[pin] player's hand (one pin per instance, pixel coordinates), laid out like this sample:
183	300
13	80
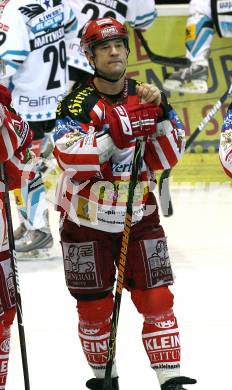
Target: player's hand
129	122
149	93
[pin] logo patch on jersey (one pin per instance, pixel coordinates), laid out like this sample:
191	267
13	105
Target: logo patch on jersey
49	21
190	32
67	125
41	19
226	139
77	103
81	265
156	262
227	124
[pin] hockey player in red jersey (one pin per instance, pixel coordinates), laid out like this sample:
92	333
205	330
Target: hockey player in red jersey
15	137
138	14
225	148
95	138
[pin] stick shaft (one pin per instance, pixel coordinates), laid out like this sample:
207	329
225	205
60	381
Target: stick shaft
122	266
6	199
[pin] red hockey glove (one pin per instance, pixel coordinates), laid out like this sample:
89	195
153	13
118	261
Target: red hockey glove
129	122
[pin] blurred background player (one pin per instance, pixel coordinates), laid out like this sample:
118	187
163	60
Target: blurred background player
139	14
97	125
205	16
33	55
15	137
225	147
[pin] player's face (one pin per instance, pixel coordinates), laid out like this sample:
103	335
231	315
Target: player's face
111	58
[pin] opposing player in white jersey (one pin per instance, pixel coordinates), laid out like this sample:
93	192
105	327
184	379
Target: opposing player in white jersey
15	137
225	147
33	58
139	15
95	141
205	16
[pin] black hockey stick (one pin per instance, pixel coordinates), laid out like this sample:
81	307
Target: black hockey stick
6	200
122	266
164	192
177	62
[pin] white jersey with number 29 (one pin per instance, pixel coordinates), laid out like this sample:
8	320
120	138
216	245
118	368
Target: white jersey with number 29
32	50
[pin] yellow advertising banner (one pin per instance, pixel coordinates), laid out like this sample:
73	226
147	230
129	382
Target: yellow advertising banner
166	37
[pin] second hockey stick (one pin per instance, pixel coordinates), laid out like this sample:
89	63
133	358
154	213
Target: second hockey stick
122	265
177	62
164	191
6	200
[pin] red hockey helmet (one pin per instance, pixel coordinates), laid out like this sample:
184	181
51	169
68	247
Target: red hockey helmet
102	30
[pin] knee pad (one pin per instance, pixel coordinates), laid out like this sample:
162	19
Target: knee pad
153	301
98	310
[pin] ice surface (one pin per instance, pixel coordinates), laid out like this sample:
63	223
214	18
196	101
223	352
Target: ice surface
199	238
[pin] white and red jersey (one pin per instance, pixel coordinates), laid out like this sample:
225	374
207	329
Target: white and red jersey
139	14
225	148
95	194
15	137
33	36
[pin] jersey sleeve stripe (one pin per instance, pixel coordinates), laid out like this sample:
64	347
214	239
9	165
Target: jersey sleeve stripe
167	144
143	21
160	156
17	53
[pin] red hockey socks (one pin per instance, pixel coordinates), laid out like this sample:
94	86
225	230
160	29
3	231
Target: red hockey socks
162	344
160	330
94	333
4	353
94	341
